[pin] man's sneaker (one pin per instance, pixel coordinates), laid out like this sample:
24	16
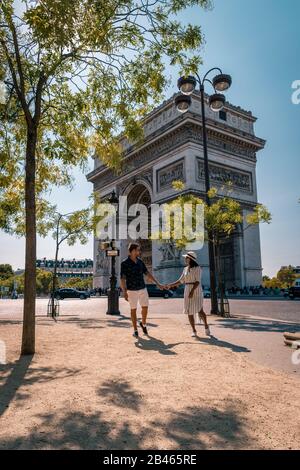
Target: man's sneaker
207	331
136	334
144	328
194	334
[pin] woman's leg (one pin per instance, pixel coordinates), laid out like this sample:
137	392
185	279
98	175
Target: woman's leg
192	322
203	316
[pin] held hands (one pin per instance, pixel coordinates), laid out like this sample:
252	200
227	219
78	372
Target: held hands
163	287
160	286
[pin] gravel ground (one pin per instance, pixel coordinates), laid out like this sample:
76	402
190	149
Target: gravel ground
91	385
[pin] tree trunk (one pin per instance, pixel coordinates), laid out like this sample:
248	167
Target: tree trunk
54	278
28	335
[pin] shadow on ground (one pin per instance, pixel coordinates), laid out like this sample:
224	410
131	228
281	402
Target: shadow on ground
121	394
154	344
213	341
20	374
191	428
251	324
117	322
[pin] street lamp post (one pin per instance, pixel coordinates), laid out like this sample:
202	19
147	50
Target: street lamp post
187	86
112	252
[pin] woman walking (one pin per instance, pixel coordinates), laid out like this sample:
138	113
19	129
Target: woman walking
193	295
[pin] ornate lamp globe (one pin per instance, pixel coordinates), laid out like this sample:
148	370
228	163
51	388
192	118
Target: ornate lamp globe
187	85
222	82
183	103
216	102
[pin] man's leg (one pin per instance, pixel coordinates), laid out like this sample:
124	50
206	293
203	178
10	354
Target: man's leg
144	301
144	315
133	318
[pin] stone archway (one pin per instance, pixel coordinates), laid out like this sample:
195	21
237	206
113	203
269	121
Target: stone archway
140	194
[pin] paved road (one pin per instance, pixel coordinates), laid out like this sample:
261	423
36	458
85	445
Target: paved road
279	309
284	310
256	327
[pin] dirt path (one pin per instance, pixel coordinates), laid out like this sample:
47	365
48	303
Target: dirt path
92	386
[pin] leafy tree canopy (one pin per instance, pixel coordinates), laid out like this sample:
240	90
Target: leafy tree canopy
286	275
81	73
6	271
221	217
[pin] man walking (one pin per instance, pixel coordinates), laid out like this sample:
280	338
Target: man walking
133	285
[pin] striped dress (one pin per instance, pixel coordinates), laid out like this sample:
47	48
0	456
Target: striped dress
194	305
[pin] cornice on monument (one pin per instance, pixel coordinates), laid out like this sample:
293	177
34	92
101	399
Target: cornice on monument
186	130
165	117
196	95
245	204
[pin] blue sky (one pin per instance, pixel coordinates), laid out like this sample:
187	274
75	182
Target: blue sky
258	43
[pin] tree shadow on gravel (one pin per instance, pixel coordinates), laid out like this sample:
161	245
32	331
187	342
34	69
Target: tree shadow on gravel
249	324
191	428
121	394
20	373
10	322
121	321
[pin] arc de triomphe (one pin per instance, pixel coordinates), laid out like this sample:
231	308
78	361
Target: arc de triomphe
172	150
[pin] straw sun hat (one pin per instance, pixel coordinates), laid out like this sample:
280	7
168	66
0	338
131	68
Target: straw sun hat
192	255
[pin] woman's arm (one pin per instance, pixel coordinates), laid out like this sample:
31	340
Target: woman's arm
196	284
150	276
176	283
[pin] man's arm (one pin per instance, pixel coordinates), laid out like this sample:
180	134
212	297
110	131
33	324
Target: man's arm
123	281
176	283
124	287
150	276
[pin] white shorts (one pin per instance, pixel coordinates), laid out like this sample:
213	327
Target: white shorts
135	296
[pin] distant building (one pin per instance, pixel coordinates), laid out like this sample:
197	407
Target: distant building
295	269
68	268
19	271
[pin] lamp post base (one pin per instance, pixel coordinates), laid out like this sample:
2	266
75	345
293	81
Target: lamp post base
113	302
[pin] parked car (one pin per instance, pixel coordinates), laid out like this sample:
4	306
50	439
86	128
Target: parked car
68	293
285	292
154	291
294	291
206	293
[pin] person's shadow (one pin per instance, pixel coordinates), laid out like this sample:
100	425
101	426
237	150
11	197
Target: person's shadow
212	340
154	344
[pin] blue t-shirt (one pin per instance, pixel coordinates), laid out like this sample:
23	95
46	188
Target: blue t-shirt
133	272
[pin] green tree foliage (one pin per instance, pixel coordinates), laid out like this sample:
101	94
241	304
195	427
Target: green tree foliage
286	276
78	74
43	281
72	227
273	283
6	271
222	217
78	283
